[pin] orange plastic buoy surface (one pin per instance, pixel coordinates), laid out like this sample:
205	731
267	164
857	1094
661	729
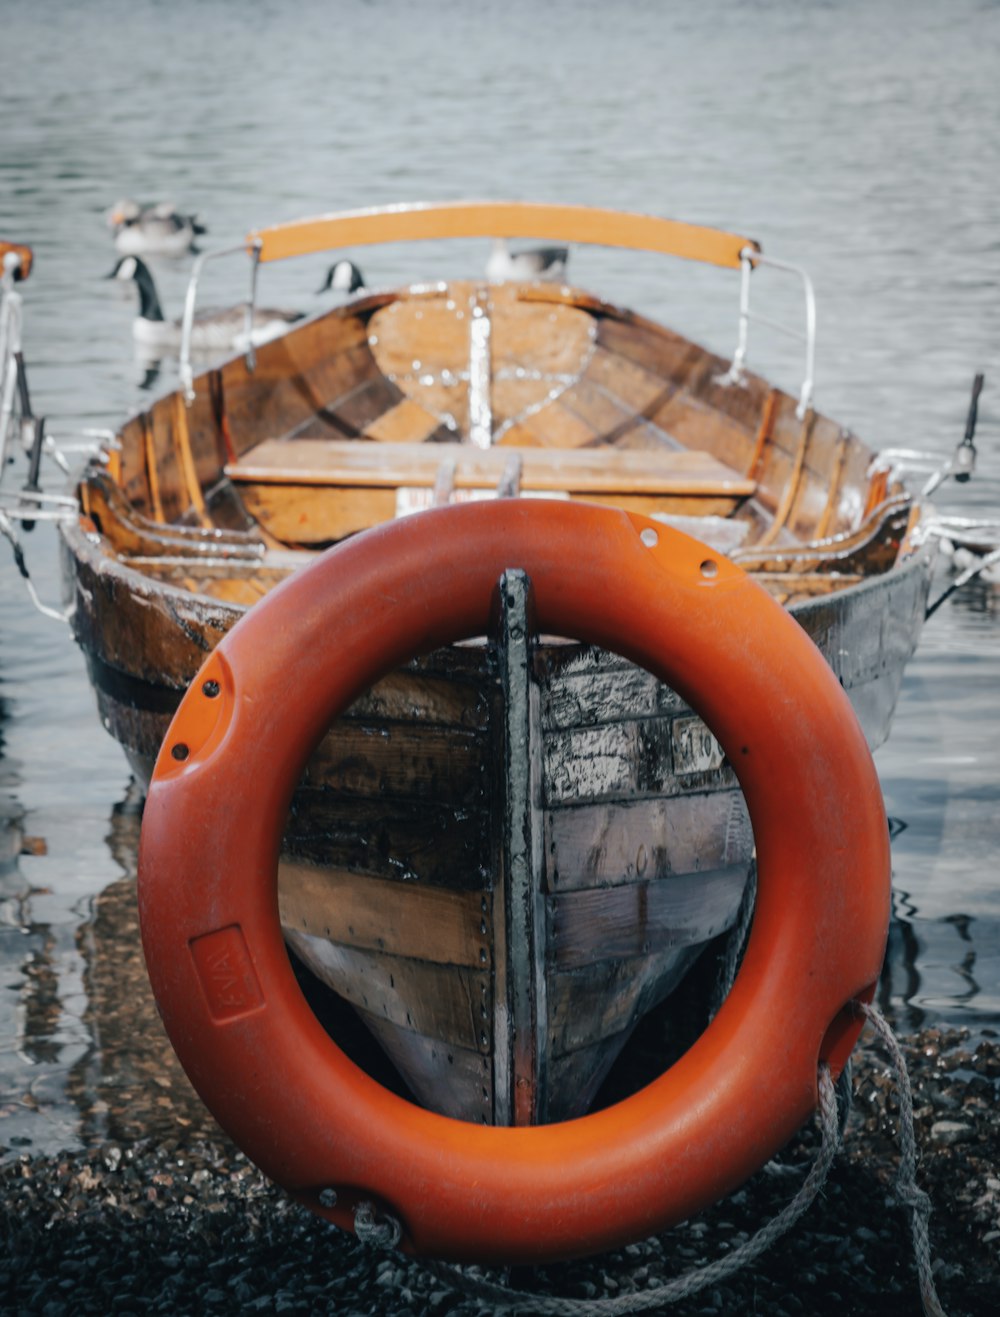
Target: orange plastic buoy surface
218	804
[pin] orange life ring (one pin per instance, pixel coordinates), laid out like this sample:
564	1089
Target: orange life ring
218	803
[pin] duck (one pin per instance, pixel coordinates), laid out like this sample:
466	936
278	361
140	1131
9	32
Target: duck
212	330
157	230
343	277
547	263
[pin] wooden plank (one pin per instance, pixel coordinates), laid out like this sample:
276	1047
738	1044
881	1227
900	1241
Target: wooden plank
577	1075
693	422
407	422
650	346
605	414
402	761
365	405
600	845
403	919
427	698
454	1081
132	474
555	426
313	515
400	841
586	1006
608	761
554	341
513	396
338	462
609	695
626	380
447	1002
422	345
297	377
423	335
667	505
166	478
588	926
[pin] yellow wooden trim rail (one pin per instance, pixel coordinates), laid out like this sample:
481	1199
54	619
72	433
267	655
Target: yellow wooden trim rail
500	219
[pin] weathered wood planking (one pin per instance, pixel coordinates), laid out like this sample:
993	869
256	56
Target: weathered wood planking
407	761
607	999
456	1081
642	918
641	840
309	492
455	1007
433	924
429	841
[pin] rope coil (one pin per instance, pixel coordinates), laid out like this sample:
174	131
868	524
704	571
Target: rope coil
386	1232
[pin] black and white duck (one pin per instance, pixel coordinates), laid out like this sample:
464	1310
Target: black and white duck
343	277
546	263
211	330
157	230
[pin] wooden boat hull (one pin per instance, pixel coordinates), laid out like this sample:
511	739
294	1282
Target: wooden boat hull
646	842
394	877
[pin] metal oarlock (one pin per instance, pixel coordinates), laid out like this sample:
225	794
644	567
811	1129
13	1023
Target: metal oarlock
938	467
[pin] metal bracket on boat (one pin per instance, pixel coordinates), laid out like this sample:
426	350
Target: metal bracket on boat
979	542
187	323
91	442
13	379
750	257
7	531
970	574
936	466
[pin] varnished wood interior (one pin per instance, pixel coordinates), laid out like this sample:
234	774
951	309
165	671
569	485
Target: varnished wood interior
617	385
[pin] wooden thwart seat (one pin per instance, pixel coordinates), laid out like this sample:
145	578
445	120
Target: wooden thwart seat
360	463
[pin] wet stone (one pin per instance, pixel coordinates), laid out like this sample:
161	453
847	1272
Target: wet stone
165	1215
950	1132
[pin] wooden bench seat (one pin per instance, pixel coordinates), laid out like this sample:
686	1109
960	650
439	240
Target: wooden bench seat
360	463
313	492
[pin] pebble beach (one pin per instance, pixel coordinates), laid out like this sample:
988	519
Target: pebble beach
159	1212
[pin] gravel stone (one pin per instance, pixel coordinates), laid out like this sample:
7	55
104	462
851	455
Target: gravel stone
950	1132
165	1215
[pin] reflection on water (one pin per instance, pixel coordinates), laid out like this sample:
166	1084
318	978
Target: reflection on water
128	1085
946	969
94	1067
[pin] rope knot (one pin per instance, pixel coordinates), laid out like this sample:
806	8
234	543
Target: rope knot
908	1195
385	1233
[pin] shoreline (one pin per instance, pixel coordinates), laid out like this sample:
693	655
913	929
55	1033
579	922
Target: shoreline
180	1221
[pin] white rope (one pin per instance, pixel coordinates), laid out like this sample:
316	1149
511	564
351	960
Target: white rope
907	1193
681	1287
387	1232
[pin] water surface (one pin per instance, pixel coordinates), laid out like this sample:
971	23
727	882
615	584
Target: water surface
859	139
